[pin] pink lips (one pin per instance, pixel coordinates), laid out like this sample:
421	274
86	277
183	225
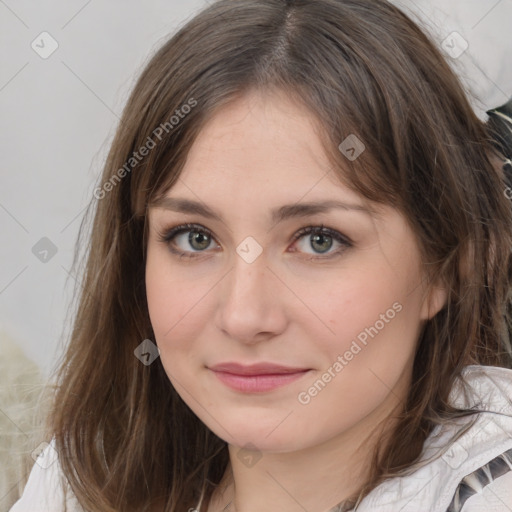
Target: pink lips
257	377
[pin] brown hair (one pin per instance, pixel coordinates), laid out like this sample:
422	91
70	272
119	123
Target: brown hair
126	439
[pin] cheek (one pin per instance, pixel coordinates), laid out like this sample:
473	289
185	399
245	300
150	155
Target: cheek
168	298
178	308
161	303
365	358
355	305
372	322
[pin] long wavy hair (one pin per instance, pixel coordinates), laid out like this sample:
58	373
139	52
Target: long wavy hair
126	439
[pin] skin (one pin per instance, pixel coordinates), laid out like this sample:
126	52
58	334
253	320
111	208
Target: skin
258	153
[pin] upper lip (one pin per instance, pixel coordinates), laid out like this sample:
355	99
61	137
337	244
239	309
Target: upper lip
255	369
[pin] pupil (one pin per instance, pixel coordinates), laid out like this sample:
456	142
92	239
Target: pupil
319	239
199	238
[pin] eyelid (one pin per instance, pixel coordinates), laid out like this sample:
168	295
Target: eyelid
308	230
168	233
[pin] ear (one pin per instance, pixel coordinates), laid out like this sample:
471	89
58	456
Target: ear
436	299
437	295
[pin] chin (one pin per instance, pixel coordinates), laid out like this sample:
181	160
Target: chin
262	435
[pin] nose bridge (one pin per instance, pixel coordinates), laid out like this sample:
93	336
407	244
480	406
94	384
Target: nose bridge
249	274
248	302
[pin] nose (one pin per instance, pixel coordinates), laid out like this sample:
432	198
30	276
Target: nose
250	304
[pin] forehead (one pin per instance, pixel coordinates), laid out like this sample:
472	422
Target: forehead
263	142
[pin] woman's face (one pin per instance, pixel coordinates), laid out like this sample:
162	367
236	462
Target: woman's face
341	307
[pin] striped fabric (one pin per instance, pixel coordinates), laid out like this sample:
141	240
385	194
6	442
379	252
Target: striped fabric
475	482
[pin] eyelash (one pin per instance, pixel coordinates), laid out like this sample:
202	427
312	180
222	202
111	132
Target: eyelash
168	235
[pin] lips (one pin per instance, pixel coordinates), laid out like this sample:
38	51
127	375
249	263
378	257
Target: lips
256	369
257	378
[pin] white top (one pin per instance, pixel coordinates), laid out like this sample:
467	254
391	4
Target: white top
473	475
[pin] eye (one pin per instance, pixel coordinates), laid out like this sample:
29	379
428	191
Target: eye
321	239
181	239
187	236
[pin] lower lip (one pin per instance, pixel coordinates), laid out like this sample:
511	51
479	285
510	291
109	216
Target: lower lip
258	383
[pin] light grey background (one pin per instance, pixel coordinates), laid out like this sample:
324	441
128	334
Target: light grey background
58	116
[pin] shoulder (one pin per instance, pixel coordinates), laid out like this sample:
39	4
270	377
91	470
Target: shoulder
486	387
46	490
461	469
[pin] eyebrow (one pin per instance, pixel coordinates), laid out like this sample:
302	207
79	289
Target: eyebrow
182	205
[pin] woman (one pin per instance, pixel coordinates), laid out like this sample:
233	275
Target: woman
224	356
